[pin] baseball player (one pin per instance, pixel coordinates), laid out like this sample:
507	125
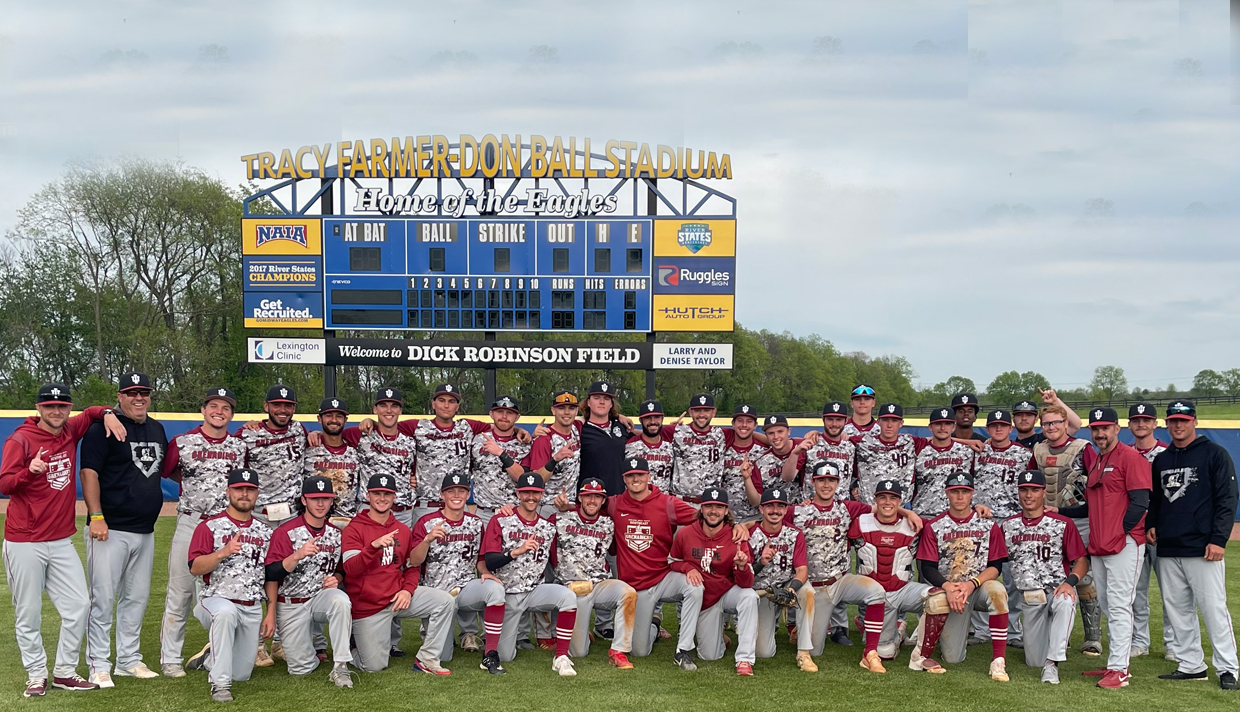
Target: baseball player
336	459
651	445
834	445
274	448
862	421
516	548
1190	520
785	455
739	464
886	543
38	473
303	584
1047	560
1117	495
382	584
1142	420
781	575
556	455
387	451
884	453
937	458
604	436
447	545
120	485
699	449
964	408
1025	416
200	460
496	460
582	539
961	555
708	557
227	551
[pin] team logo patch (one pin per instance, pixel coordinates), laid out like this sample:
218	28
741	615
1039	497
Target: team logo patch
744	409
383	482
603	388
693	236
219	392
1097	415
638	535
456	479
270	233
891	409
284	393
835	407
650	406
146	457
56	392
245	476
136	379
321	485
964	399
388	393
775	493
448	388
335	403
702	400
1141	408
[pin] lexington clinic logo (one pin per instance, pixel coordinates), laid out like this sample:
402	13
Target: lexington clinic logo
693	236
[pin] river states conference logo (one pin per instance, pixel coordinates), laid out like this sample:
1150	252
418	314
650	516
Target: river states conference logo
693	236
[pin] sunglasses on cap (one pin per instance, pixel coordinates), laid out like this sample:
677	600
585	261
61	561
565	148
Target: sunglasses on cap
863	391
1180	408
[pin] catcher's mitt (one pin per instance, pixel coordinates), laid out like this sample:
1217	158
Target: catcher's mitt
781	595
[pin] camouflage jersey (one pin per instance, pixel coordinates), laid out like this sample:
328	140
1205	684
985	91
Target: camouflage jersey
564	479
306	578
699	458
770	469
878	461
440	452
659	457
451	562
790	553
379	454
503	534
1041	550
581	547
826	535
340	465
995	473
842	454
931	468
1152	453
734	482
852	431
239	577
204	462
493	486
961	548
277	458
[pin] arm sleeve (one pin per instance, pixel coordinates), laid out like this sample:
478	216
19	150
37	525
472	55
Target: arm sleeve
94	452
275	571
1073	544
998	545
685	513
419	533
855	439
729	437
788	515
412	574
1138	502
1080	511
928	545
667	432
1033	462
477	426
352	436
492	540
540	453
1223	480
14	467
677	554
856	509
201	544
76	425
281	548
496	560
930	573
744	577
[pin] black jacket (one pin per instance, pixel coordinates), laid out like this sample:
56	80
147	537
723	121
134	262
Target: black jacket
1194	502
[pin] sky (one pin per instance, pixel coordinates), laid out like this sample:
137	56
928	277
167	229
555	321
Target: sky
976	186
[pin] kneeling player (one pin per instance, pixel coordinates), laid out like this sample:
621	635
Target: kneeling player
706	554
303	591
1041	548
961	554
780	575
888	543
516	549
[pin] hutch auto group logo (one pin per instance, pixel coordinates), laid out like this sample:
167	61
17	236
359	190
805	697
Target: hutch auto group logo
690	313
693	236
269	233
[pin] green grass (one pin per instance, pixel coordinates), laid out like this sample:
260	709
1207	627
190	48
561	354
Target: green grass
654	685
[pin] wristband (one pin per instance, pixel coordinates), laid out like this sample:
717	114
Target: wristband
506	460
109	411
96	517
1072	580
552	465
796	584
977	582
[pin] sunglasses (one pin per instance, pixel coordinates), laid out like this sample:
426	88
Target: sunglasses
863	391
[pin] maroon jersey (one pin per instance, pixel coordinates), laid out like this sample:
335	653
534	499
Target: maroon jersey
962	548
714	558
306	578
503	534
659	456
885	552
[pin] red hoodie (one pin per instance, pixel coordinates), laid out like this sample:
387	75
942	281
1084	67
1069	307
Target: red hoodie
644	534
372	576
713	557
42	506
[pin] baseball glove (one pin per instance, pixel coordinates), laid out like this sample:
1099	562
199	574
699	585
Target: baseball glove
581	588
782	595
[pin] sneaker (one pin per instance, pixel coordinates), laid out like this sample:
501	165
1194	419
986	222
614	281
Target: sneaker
1018	643
469	643
199	660
490	663
998	670
140	671
1114	679
322	655
1138	652
396	653
1227	681
839	636
805	662
73	683
430	667
564	665
1179	675
221	693
172	670
607	633
744	669
339	676
546	643
1091	648
1050	672
619	659
870	661
102	679
262	658
277	650
923	664
684	659
36	687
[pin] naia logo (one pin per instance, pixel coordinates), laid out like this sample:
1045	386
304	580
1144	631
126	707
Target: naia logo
269	233
693	236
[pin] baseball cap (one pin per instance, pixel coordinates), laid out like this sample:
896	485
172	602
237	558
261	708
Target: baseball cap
889	487
222	394
455	479
1024	407
715	495
1181	410
381	483
1031	478
506	403
317	486
592	485
447	389
1103	416
650	407
389	394
775	494
134	381
961	400
862	391
999	416
702	400
745	409
54	393
280	393
959	479
243	477
332	405
1142	410
938	415
771	421
530	482
835	408
824	468
564	398
636	464
602	388
892	410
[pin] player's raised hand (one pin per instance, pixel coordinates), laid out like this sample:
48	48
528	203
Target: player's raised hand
310	548
385	541
561	502
490	447
314	438
112	425
526	547
740	532
506	510
741	560
627	422
523	436
38	465
983	511
564	453
768	553
974	445
1049	395
812	438
437	532
681	419
366	426
232	547
746	466
541	428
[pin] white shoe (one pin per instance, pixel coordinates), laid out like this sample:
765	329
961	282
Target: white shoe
1169	657
469	643
998	670
1137	652
173	670
140	671
563	665
1050	673
102	679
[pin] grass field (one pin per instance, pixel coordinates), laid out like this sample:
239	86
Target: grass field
654	685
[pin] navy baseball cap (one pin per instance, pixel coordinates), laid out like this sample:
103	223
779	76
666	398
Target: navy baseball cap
961	400
602	388
455	479
999	416
824	468
134	381
54	394
715	495
1142	410
243	477
592	485
530	482
959	480
776	494
1181	410
702	400
1103	416
506	403
1024	407
745	409
333	405
317	486
447	389
221	394
889	487
771	421
650	407
280	393
381	483
636	464
939	415
892	410
1031	478
835	408
389	394
862	391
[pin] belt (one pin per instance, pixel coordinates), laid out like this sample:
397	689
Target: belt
824	584
692	500
242	603
401	508
429	503
286	599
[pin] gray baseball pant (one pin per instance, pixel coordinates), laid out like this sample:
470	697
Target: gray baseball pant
1141	606
981	622
673	588
231	631
470	601
1116	578
742	603
52	566
850	588
182	590
768	621
373	648
910	598
297	624
1190	585
1048	625
404	516
545	598
955	638
119	574
608	595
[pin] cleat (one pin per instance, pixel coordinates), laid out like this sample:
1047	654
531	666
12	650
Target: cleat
35	687
564	665
172	670
684	659
261	658
998	670
469	643
321	655
199	660
977	640
431	667
102	679
607	633
839	636
140	671
490	663
792	634
619	659
744	669
664	634
872	663
525	645
805	662
340	676
1227	681
221	694
277	650
1092	648
923	664
73	683
1138	652
546	643
1114	680
1050	672
396	653
1178	675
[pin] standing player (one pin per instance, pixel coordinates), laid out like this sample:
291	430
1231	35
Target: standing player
303	585
997	468
1142	420
604	435
938	458
335	459
1026	436
200	460
120	485
228	551
886	542
699	450
1191	516
38	472
656	449
885	455
516	548
785	455
834	445
387	451
496	460
782	568
739	460
556	455
964	407
274	448
862	421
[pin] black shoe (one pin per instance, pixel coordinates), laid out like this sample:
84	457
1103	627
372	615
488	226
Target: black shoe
490	663
607	633
396	653
684	659
1178	675
1227	681
839	636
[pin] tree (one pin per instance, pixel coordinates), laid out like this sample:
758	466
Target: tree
1108	382
1208	382
1009	387
1231	381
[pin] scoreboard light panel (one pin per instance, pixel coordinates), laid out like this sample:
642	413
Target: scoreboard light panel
488	274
